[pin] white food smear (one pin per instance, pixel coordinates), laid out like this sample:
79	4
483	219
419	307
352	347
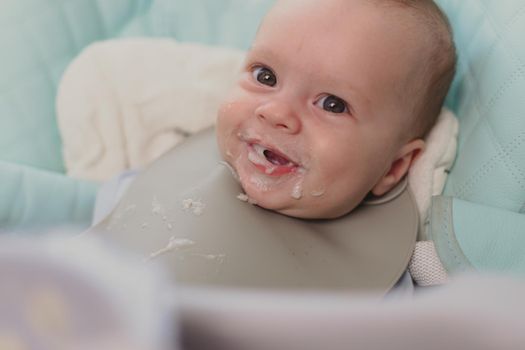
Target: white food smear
270	170
173	244
297	191
254	158
186	203
317	193
244	197
219	258
197	207
262	183
156	207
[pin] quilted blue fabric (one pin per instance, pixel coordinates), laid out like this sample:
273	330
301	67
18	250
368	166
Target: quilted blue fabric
482	224
474	236
38	39
230	23
488	97
28	193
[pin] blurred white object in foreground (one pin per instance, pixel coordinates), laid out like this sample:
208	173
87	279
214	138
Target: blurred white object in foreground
59	292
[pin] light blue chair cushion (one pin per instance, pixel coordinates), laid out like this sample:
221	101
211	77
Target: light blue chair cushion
488	96
27	193
230	23
480	223
38	38
476	236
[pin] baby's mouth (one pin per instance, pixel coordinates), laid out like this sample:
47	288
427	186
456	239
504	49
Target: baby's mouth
270	161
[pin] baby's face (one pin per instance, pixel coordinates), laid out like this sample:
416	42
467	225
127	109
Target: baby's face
317	119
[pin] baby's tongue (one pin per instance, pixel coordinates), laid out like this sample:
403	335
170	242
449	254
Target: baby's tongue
275	158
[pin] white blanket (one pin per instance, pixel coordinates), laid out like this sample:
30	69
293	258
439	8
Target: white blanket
123	103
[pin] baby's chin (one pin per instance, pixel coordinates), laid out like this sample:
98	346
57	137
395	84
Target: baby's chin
294	194
270	190
286	202
266	196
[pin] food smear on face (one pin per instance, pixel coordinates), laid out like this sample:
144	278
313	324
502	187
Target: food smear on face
269	161
297	191
317	193
273	167
261	182
270	170
245	198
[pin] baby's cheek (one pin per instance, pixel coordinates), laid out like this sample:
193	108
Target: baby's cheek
226	118
226	107
231	113
223	112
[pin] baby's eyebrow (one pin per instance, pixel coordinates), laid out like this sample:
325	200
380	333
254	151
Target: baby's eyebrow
342	85
263	54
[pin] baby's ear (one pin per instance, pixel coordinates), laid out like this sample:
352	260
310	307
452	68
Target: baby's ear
399	167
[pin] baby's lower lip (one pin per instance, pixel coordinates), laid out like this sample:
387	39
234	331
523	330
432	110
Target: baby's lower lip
276	171
266	167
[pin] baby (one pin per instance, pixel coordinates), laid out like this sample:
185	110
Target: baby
334	100
332	106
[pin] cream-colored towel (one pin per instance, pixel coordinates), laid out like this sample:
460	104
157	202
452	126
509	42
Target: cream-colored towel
427	176
426	179
123	103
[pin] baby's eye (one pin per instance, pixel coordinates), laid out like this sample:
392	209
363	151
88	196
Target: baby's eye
264	76
332	104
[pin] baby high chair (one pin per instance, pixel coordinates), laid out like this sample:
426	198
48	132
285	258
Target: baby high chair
479	221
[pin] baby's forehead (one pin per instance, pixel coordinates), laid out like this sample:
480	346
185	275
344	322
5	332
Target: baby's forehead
347	24
327	14
398	46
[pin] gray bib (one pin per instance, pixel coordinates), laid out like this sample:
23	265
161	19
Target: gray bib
184	211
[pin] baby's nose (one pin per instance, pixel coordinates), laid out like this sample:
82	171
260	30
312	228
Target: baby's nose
279	115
